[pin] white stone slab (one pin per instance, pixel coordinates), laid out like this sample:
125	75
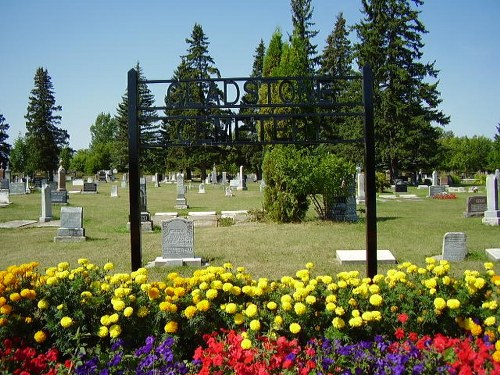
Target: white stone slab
169	262
408	196
493	254
16	224
359	256
387	196
201	213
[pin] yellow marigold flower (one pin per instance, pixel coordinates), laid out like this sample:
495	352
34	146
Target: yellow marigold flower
190	311
330	306
488	265
128	312
141	279
66	322
231	308
226	287
251	310
246	344
338	323
105	287
142	312
497	345
118	304
476	329
239	319
3	301
105	320
236	290
374	289
479	283
300	308
375	299
153	293
271	305
255	325
356	322
339	311
294	328
355	313
63	266
40	336
489	321
439	303
310	300
309	265
102	332
496	356
211	294
114	331
453	303
51	280
171	327
113	318
28	293
3	322
42	304
203	305
352	302
342	284
83	261
108	266
430	283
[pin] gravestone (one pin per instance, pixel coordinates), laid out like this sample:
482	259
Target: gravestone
4	184
157	180
242	182
90	187
71	229
360	187
214	175
4	197
201	188
224	177
435	178
46	204
146	222
114	191
17	188
61	177
492	214
180	201
454	247
123	184
229	192
476	205
177	243
400	187
59	197
435	190
78	182
2	172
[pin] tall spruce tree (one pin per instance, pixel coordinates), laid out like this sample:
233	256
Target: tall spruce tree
302	13
45	139
149	130
405	88
196	64
4	146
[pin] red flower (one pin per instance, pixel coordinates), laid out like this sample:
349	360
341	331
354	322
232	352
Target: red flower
403	318
400	333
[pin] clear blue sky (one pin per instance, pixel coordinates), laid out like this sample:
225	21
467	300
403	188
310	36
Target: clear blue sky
88	47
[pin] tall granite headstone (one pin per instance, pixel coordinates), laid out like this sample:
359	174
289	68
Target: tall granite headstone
435	181
46	204
61	177
242	182
492	214
360	187
146	222
181	202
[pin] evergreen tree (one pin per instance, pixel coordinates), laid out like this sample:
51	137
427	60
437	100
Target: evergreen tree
149	130
44	138
405	97
302	12
196	64
4	146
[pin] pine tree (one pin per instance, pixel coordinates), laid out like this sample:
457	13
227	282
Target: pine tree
4	146
405	97
302	12
149	130
44	138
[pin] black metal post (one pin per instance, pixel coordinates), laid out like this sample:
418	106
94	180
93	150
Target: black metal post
133	169
370	187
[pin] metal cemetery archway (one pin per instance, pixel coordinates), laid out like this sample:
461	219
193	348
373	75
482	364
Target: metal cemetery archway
299	94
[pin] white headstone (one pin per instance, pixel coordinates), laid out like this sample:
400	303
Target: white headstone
4	197
201	188
242	183
492	214
224	177
454	246
360	188
177	243
180	201
114	191
61	177
435	178
46	204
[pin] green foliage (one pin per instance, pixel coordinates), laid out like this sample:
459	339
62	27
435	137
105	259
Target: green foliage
381	182
466	155
19	156
293	175
4	146
45	140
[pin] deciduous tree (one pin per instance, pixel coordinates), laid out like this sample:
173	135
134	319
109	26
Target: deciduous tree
4	146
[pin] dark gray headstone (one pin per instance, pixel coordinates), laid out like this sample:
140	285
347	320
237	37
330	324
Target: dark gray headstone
17	188
60	197
476	205
89	187
435	190
71	225
177	239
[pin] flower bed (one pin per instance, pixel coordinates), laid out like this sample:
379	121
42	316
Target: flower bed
221	320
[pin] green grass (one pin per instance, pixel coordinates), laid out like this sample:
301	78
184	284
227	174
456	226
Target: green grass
412	230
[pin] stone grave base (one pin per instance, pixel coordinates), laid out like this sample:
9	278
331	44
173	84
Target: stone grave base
491	218
237	216
158	217
172	262
493	254
203	219
146	226
70	238
16	224
359	256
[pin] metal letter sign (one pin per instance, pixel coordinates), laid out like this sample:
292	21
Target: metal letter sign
283	110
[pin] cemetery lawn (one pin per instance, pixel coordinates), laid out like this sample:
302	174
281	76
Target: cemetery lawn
411	229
